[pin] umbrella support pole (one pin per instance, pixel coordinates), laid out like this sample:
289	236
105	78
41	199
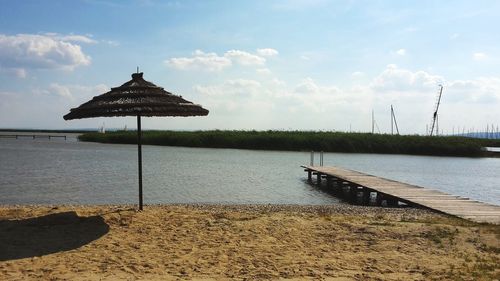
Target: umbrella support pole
139	155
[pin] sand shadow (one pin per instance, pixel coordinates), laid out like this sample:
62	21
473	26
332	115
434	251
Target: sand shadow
48	234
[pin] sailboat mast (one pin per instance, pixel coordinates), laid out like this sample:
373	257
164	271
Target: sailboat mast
392	121
373	121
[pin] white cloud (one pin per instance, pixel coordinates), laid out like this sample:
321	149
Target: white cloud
243	98
79	38
278	82
230	88
46	105
401	52
479	56
200	61
394	79
267	52
213	62
263	71
244	58
454	36
233	101
72	38
17	72
311	97
464	102
268	103
20	72
72	93
357	74
307	86
28	51
60	90
481	90
304	57
111	43
243	83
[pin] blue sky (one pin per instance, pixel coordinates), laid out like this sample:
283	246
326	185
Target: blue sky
308	65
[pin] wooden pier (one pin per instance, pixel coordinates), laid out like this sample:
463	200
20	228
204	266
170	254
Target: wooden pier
361	187
32	136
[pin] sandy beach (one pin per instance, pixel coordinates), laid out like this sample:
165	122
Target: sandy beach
243	242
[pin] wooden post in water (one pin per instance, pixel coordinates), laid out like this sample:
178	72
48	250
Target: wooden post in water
391	201
379	199
366	196
344	189
328	181
372	198
359	195
336	185
353	193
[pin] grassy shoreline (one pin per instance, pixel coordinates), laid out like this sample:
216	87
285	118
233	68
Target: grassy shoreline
305	141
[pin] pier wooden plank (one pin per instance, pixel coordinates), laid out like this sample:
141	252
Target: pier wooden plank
416	195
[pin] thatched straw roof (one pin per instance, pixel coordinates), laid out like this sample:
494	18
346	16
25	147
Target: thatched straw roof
137	97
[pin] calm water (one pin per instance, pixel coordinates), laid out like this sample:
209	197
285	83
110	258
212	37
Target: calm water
58	171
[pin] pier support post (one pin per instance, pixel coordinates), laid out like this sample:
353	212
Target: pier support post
345	189
379	199
309	175
360	195
318	178
366	196
352	193
356	194
336	186
392	201
328	181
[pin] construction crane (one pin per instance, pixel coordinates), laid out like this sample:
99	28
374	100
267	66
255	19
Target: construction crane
436	107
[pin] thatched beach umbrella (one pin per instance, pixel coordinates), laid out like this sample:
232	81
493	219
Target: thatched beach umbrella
137	97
